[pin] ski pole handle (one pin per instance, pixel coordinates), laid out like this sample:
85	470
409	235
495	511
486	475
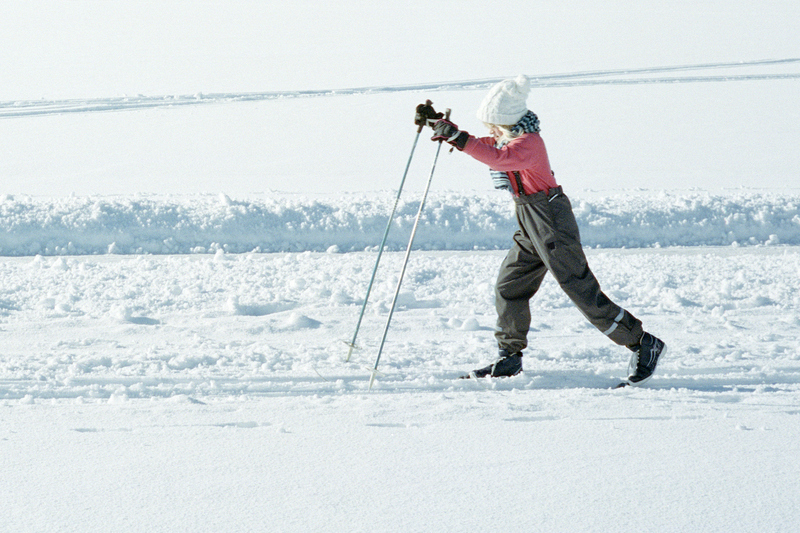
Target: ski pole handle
422	124
426	115
447	117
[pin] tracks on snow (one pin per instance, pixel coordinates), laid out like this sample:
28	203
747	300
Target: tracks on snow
635	76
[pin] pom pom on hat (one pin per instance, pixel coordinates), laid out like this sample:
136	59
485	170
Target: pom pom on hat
506	102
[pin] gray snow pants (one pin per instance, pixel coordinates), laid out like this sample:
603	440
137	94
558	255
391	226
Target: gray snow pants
548	240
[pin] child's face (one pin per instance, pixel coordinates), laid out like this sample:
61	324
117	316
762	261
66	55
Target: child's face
494	131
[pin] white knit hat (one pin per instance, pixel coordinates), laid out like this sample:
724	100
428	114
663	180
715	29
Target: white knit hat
505	103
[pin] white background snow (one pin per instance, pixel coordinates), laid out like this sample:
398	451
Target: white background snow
191	199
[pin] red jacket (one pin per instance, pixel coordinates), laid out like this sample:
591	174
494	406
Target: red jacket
526	154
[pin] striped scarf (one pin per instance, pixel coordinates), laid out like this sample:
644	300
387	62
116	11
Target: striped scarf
529	123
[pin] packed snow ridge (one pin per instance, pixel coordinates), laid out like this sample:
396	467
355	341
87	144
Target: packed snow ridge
284	222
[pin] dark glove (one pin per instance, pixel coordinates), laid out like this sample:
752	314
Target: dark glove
444	130
426	115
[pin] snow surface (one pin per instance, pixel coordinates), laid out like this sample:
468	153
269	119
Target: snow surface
281	222
209	392
191	200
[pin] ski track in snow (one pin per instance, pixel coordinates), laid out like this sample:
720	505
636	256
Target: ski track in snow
633	76
222	326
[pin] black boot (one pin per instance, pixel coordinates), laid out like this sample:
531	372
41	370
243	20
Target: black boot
509	364
645	359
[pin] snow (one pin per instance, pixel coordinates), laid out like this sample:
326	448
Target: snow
191	203
211	392
346	222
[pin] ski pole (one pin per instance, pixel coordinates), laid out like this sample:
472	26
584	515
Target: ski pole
352	343
405	260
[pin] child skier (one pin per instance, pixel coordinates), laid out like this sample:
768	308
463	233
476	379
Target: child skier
547	238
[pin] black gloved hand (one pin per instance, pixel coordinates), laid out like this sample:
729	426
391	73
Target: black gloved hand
444	130
426	115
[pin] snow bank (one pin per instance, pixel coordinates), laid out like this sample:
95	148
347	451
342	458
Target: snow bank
283	222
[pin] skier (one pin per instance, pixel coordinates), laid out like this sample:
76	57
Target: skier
547	238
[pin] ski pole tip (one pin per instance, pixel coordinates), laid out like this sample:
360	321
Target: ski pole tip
351	346
374	373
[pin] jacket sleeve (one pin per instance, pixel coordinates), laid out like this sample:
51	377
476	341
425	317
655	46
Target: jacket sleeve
515	155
